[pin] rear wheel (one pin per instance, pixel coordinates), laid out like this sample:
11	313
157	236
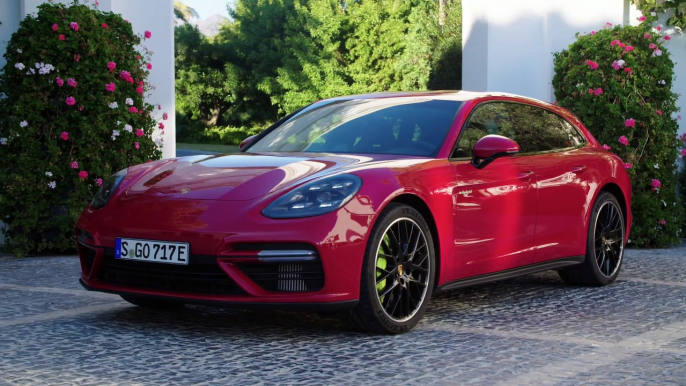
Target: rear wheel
397	274
146	302
604	247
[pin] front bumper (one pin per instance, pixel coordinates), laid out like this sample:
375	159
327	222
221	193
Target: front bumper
227	265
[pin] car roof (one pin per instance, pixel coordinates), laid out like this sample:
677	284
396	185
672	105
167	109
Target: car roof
456	95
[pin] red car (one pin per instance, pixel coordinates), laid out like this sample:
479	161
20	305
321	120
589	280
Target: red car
365	205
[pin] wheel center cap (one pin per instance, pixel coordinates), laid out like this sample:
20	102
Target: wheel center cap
400	270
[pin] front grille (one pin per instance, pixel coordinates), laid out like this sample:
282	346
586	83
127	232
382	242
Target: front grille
201	276
286	277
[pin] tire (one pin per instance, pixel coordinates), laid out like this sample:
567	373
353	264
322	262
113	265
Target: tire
152	303
395	272
604	248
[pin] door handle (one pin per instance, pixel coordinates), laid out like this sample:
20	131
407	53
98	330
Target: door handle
525	175
578	168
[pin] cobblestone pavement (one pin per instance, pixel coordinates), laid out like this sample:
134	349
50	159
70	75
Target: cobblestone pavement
530	330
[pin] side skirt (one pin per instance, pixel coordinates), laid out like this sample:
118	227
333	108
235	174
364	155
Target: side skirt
514	272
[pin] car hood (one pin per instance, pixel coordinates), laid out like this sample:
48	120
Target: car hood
238	177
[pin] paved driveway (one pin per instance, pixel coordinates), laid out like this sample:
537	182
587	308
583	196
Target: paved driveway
531	330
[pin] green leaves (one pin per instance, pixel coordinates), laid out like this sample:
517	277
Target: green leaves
644	94
41	195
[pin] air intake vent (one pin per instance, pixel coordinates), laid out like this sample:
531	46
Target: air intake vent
290	278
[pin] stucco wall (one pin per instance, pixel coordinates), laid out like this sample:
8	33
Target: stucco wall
153	15
508	45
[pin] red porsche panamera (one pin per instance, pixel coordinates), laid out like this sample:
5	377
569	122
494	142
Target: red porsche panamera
366	205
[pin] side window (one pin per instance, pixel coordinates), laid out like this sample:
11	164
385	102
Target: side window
489	118
540	130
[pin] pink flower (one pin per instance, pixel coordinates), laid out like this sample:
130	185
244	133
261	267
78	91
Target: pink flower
110	86
628	165
137	145
83	175
652	46
659	112
62	37
80	107
77	57
159	107
647	35
124	75
622	45
629	48
628	70
615	65
165	116
659	28
64	136
148	34
678	117
55	27
598	91
667	37
59	81
74	165
624	140
593	65
606	147
105	26
593	33
614	43
148	66
663	222
139	89
71	82
642	18
98	181
590	91
630	122
74	26
133	109
656	184
111	65
683	152
139	132
70	101
608	25
126	20
161	126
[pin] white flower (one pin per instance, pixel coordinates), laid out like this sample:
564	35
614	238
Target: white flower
113	105
19	51
49	174
115	134
129	101
653	14
23	123
44	71
657	52
3	141
662	82
128	128
158	142
621	63
19	66
52	184
39	65
656	166
664	203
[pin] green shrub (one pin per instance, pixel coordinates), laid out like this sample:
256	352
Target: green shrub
68	120
619	82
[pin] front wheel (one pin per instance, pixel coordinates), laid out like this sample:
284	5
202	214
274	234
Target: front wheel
604	246
397	273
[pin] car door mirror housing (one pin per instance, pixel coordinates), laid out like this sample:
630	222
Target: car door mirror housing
246	142
492	147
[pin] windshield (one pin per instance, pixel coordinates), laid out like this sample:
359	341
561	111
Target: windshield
404	126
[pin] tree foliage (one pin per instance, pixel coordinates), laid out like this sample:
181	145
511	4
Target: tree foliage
619	82
73	113
279	55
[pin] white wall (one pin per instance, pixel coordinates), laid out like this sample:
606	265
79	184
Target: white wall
152	15
508	45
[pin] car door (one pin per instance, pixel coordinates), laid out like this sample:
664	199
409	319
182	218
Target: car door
563	169
494	207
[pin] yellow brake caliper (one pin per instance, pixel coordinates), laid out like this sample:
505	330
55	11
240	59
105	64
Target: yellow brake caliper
381	263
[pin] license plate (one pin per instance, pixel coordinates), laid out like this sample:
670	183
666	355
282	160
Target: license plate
152	251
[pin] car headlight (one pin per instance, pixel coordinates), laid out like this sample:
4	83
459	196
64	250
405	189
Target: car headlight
315	198
107	189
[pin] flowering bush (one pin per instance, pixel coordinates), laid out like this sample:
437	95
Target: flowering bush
634	116
67	94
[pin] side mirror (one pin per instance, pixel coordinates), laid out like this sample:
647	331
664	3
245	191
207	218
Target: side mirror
491	147
246	142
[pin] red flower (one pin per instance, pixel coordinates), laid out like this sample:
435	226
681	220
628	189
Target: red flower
627	70
139	132
133	109
161	126
111	65
659	112
64	136
148	66
668	37
628	165
148	34
139	89
83	174
165	116
105	26
55	27
62	37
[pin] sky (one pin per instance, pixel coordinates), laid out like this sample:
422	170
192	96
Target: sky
207	8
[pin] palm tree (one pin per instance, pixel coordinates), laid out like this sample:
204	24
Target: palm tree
184	12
